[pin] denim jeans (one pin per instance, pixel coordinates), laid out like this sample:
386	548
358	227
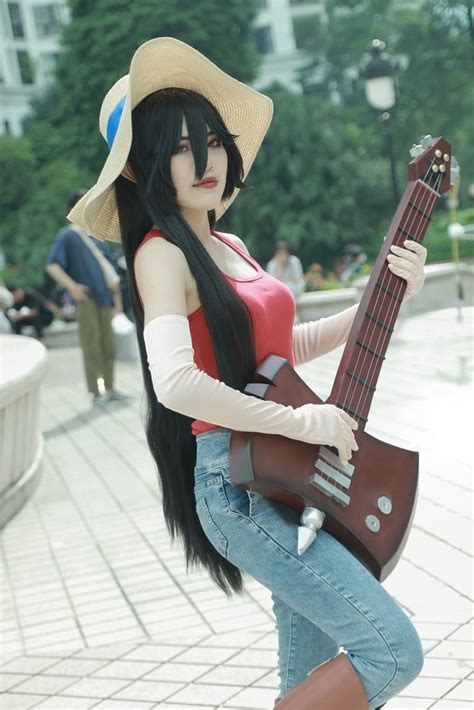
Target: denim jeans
323	600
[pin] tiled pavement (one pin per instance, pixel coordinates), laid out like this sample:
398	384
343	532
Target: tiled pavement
98	611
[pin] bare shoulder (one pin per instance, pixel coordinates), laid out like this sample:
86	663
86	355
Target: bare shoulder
237	241
161	274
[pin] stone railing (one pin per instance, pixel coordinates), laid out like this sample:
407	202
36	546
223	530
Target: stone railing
22	369
440	291
66	335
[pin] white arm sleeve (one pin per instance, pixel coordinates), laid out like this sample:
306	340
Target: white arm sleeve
182	387
316	338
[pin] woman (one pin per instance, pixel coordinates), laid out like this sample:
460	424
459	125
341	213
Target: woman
182	136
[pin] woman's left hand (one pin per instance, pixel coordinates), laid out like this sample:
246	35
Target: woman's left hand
408	263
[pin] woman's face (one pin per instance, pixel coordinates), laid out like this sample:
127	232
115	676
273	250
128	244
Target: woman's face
190	194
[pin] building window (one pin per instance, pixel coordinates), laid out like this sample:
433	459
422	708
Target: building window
47	20
16	22
263	39
25	66
306	29
48	61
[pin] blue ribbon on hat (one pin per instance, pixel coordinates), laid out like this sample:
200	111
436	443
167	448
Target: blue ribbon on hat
114	121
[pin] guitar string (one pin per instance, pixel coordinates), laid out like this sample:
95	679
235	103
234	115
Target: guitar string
396	285
399	283
363	353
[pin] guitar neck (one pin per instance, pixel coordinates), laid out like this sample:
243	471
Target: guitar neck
356	378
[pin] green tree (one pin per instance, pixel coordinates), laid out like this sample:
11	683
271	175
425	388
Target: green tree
313	184
32	206
433	39
62	149
17	177
101	39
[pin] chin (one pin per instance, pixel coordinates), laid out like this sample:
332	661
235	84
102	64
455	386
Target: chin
211	203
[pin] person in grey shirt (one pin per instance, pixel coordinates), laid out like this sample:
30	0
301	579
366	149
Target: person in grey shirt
287	268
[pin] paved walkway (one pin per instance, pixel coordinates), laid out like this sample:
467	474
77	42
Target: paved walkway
98	611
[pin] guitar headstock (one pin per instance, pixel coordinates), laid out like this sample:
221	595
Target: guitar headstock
433	163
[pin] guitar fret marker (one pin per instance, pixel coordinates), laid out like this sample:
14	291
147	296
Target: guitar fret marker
362	382
352	412
407	233
370	350
383	325
390	293
420	211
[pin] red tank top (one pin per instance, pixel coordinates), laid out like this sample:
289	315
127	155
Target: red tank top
272	308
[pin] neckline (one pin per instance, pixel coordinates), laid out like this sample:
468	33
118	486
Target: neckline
257	268
255	265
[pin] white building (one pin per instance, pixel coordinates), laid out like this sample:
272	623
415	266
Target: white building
284	29
29	47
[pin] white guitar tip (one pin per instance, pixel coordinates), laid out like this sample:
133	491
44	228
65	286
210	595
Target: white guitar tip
305	538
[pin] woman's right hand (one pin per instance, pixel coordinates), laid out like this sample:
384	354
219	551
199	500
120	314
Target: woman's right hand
327	424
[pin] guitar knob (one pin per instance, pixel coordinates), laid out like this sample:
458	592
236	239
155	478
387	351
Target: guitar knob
311	521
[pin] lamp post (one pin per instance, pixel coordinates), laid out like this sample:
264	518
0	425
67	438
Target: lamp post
379	72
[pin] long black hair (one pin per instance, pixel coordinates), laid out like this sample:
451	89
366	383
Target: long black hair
151	202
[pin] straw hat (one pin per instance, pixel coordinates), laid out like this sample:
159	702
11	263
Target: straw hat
159	64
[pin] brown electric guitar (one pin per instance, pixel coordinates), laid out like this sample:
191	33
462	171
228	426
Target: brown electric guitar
368	504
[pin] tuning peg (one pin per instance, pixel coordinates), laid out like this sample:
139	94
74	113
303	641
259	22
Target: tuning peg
427	141
416	150
311	521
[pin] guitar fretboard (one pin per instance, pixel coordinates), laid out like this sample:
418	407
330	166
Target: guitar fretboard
362	359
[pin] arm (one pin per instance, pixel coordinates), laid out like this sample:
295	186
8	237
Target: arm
316	338
313	339
180	386
118	304
78	291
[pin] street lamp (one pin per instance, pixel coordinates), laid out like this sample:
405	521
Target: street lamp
379	72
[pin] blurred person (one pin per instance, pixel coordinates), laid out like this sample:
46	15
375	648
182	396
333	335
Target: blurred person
120	264
81	264
182	136
6	301
287	268
353	260
29	308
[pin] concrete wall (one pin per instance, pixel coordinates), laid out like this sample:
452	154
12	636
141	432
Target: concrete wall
439	291
22	370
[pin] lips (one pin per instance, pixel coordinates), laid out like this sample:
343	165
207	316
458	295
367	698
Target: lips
207	183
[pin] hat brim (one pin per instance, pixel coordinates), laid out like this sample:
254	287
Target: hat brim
158	64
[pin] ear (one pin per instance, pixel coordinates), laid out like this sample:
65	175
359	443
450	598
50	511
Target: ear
128	173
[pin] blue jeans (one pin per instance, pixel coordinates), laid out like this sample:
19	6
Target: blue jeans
323	600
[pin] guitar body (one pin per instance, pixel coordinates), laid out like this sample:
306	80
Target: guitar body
283	469
369	503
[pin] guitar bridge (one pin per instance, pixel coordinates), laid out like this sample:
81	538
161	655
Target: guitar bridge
332	477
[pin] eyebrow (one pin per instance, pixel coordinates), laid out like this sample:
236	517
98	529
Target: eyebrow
186	138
